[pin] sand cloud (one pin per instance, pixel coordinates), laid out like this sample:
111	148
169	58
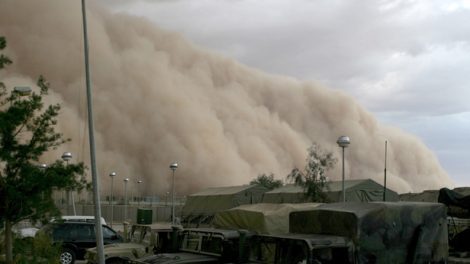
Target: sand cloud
159	99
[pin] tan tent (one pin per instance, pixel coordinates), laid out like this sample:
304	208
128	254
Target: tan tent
201	207
365	190
381	232
271	219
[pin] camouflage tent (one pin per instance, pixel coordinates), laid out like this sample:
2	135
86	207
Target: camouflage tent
201	207
382	232
356	191
262	218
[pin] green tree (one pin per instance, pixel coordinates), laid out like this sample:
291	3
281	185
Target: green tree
267	181
27	132
313	178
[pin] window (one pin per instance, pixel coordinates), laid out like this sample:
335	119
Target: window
108	233
212	245
84	232
191	242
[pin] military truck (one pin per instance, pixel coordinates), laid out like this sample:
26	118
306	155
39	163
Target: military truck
377	232
380	232
145	240
206	245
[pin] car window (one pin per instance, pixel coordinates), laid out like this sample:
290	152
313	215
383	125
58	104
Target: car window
190	242
211	245
85	232
108	233
62	232
293	252
263	251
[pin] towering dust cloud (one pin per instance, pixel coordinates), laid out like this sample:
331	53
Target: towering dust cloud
158	99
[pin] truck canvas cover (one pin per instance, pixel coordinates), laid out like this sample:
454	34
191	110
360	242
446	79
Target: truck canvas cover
262	218
202	206
381	232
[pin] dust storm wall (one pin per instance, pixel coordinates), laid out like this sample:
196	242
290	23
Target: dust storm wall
159	99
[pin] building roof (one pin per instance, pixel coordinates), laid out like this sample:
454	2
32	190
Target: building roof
332	186
228	190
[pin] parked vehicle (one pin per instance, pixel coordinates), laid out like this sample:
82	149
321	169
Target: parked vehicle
205	245
380	232
76	237
144	240
27	230
79	218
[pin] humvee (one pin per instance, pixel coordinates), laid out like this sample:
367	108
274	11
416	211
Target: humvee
381	232
144	240
205	245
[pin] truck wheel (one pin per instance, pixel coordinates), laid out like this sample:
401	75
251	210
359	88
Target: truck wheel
67	256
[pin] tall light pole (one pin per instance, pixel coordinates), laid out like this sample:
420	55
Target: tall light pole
66	156
42	167
126	180
173	167
112	175
91	136
343	142
385	172
140	194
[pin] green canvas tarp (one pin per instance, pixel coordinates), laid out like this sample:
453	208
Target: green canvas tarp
201	207
382	232
365	190
271	219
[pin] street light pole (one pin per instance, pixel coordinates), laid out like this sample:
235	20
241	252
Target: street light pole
343	142
140	193
126	180
42	167
66	157
91	135
112	175
385	173
173	167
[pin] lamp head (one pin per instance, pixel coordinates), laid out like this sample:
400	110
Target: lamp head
22	90
67	156
174	166
112	174
343	141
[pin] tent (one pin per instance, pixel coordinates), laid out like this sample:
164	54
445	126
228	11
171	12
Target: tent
271	219
365	190
382	232
201	207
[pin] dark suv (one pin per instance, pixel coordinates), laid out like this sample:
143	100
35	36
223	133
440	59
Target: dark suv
76	237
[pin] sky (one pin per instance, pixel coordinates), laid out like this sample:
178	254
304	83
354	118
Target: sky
405	61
